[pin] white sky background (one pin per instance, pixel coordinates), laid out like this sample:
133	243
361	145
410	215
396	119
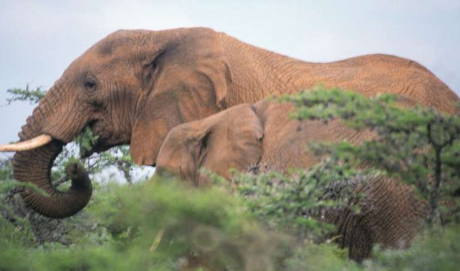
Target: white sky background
39	39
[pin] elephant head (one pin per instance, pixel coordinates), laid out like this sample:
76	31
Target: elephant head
131	87
228	139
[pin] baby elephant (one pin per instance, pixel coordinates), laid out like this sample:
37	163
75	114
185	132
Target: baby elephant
263	134
241	137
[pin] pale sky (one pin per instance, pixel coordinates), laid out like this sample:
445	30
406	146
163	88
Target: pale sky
39	39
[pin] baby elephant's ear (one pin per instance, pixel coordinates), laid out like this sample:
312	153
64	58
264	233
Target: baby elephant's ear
236	141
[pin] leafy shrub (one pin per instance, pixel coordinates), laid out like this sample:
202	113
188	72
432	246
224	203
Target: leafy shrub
419	146
297	202
159	226
269	223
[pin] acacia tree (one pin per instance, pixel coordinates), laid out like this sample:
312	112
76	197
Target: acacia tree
418	145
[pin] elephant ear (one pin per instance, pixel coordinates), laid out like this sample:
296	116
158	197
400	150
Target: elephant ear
234	141
188	80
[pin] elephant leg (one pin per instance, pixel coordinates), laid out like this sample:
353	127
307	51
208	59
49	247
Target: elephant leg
395	213
359	241
354	233
390	215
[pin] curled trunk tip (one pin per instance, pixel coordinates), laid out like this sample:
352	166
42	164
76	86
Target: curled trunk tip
35	167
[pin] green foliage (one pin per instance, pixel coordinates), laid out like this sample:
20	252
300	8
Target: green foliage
262	222
311	257
165	225
26	95
419	146
86	140
208	225
297	201
13	228
431	251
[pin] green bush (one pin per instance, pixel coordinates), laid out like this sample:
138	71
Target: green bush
268	221
157	226
165	225
419	146
295	202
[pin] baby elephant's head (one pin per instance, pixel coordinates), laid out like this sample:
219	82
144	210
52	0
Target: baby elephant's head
226	140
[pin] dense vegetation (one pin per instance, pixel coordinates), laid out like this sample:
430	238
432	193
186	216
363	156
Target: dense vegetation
263	222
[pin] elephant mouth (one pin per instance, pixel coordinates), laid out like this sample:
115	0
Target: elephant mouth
104	139
94	148
101	141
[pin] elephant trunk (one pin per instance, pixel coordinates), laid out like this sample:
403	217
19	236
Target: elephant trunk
34	166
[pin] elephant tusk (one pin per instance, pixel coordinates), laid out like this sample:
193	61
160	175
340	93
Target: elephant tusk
30	144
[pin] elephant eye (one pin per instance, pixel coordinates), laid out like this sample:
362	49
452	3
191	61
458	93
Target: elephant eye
90	85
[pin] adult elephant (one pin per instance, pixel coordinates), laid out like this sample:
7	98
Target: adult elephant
262	136
132	87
